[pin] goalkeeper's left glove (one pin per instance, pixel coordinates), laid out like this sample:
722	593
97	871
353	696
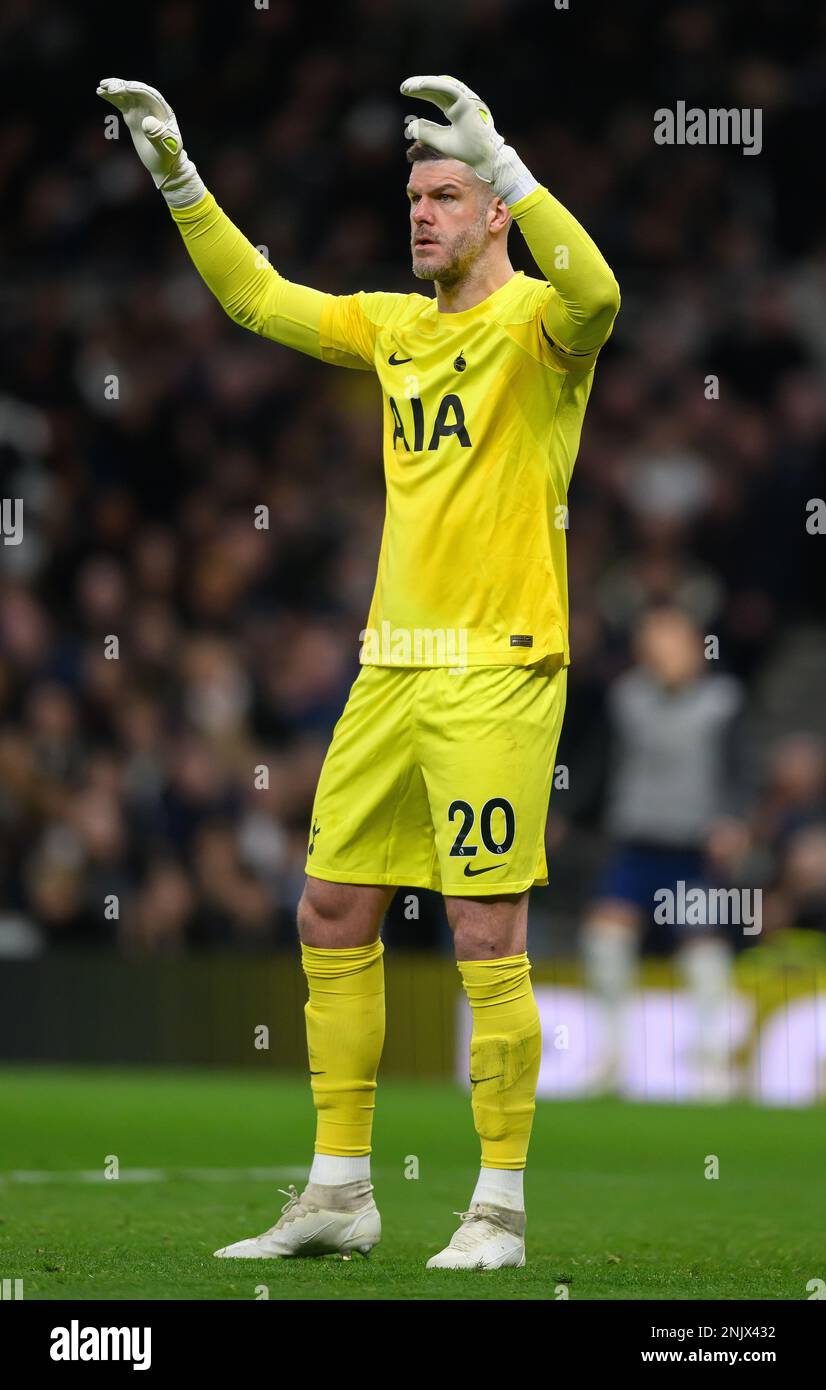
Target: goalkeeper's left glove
471	136
157	139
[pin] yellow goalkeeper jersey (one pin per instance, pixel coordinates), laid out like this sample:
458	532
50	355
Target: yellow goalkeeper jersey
482	414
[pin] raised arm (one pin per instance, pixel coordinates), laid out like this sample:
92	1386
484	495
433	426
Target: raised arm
579	314
258	298
330	327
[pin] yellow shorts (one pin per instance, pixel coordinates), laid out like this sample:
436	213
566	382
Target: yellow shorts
441	779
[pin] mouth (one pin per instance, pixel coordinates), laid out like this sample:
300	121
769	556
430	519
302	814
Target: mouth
424	243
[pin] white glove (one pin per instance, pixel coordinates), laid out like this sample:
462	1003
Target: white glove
156	138
471	136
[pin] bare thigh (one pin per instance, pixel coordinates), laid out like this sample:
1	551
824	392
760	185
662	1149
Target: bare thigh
341	915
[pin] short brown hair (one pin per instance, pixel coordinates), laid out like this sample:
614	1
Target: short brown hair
419	151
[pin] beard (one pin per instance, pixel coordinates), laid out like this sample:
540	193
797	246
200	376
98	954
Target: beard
455	257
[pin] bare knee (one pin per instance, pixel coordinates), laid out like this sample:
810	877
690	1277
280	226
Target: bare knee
486	928
341	915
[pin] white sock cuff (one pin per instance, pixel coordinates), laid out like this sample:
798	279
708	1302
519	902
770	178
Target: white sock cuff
331	1169
501	1187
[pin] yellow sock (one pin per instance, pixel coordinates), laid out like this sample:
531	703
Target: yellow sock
505	1051
345	1035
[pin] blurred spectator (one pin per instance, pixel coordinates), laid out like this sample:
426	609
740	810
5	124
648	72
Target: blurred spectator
677	797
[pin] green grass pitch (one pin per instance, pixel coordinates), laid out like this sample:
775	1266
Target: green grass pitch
618	1204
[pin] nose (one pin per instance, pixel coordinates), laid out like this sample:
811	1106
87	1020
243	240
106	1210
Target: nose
422	212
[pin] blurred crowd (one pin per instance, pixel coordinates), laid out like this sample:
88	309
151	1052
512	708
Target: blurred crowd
155	791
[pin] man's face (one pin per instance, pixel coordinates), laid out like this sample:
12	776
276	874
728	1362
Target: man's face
448	219
670	647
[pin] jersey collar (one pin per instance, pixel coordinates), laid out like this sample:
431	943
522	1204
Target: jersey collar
483	307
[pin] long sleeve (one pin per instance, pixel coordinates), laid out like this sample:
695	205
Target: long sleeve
330	327
585	299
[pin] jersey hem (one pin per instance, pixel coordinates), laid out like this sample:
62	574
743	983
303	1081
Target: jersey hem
525	656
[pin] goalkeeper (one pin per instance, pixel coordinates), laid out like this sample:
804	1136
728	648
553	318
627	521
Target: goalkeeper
439	771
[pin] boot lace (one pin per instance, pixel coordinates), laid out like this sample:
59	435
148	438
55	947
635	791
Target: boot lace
470	1230
293	1209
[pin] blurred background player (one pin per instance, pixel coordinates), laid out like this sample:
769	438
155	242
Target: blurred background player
676	795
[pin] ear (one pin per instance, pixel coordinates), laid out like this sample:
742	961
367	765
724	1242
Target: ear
500	215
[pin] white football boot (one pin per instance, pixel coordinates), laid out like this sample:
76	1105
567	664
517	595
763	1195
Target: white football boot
488	1238
322	1221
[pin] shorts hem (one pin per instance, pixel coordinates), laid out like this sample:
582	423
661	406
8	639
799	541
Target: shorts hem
383	880
477	891
435	886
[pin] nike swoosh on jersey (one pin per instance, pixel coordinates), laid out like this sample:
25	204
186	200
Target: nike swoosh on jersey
398	361
474	873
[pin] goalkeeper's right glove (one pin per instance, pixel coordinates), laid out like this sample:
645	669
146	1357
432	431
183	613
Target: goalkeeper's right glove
470	137
157	139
